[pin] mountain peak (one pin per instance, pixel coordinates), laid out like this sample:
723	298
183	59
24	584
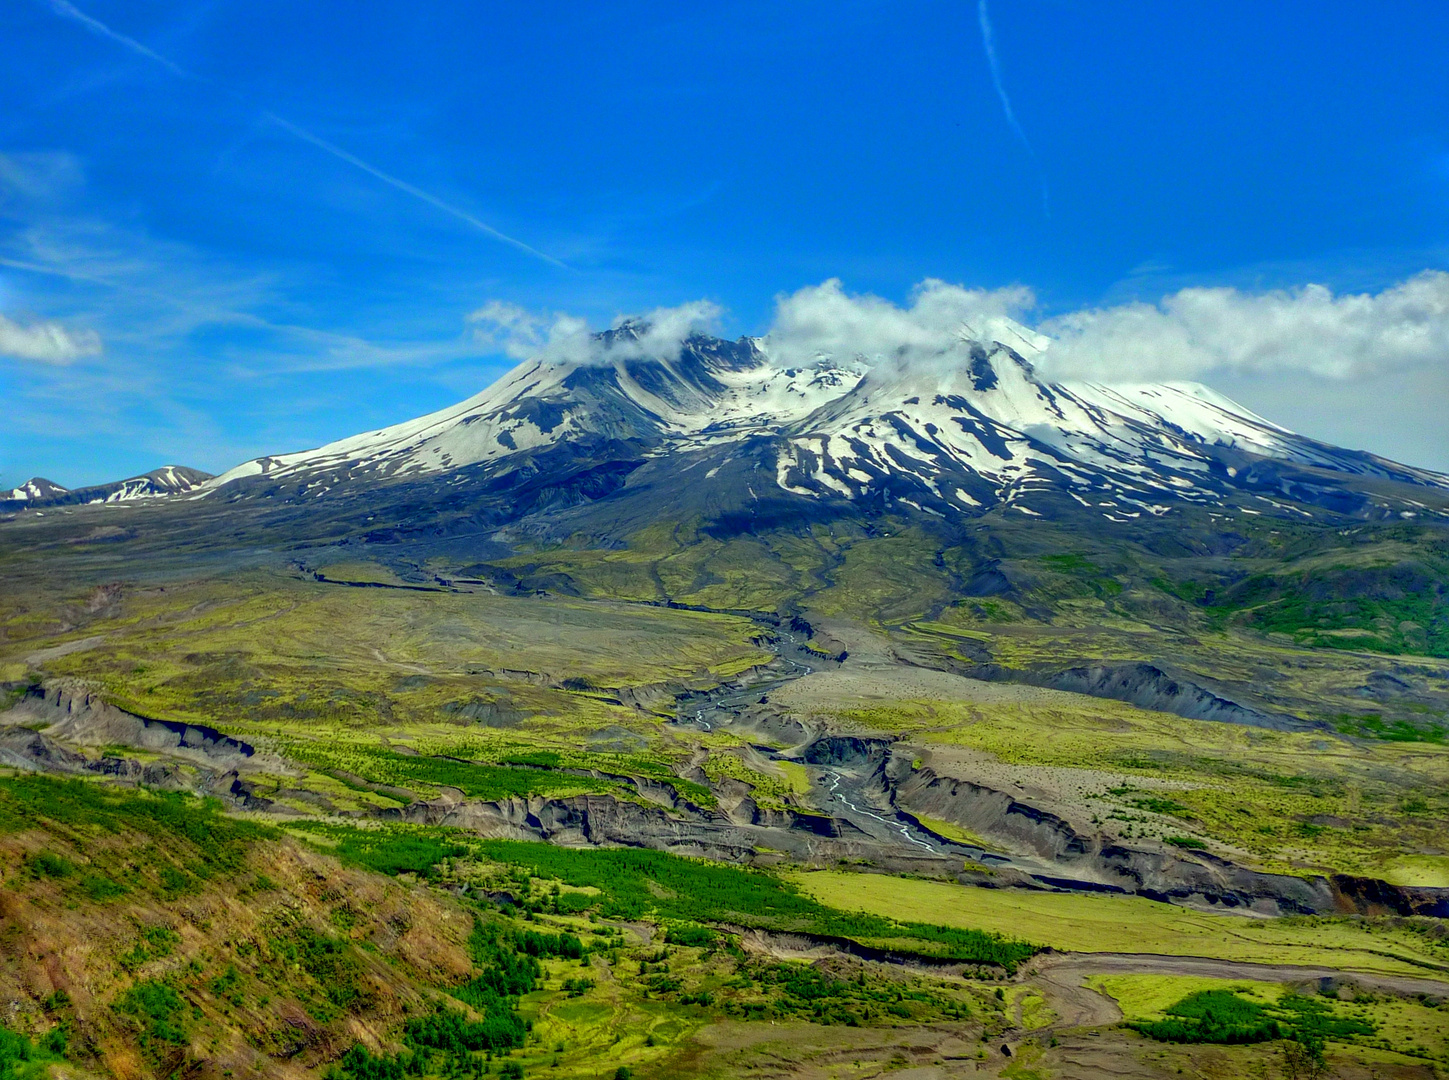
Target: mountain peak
944	428
37	487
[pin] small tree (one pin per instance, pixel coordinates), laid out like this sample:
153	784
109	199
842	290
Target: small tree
1303	1057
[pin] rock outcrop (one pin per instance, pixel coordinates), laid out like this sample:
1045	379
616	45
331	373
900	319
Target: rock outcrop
72	712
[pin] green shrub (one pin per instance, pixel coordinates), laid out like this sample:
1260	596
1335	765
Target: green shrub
330	961
169	818
533	943
154	943
379	766
176	882
387	850
1315	1018
14	1050
1213	1016
1156	805
633	882
577	987
47	864
100	887
158	1010
695	936
55	1041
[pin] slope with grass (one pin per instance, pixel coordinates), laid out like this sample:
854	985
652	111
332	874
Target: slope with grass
144	934
1126	924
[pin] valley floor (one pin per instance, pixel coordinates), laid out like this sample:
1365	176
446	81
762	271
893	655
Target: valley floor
286	823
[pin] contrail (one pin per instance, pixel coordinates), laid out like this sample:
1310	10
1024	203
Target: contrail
67	10
988	40
403	185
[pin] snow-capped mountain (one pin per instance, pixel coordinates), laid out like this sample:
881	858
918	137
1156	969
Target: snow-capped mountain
957	432
37	487
167	480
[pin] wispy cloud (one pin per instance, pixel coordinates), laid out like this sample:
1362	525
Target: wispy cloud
988	42
153	298
67	10
46	342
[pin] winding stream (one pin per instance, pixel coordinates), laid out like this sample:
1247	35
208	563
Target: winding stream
839	790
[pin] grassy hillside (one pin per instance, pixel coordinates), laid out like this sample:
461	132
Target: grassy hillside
147	934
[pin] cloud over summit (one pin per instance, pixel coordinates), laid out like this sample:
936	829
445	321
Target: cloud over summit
549	335
826	320
1192	334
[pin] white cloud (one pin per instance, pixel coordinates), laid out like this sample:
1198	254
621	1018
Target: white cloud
825	320
1197	332
663	330
46	342
520	333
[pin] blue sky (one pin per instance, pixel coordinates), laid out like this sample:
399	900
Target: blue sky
235	228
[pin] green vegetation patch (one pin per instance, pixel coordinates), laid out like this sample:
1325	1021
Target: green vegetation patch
193	838
635	882
154	942
1213	1016
331	963
492	782
1402	607
1221	1016
158	1012
388	850
1082	922
1293	800
22	1059
1373	726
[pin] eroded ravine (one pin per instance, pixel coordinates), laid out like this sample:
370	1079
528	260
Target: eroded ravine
873	787
839	788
